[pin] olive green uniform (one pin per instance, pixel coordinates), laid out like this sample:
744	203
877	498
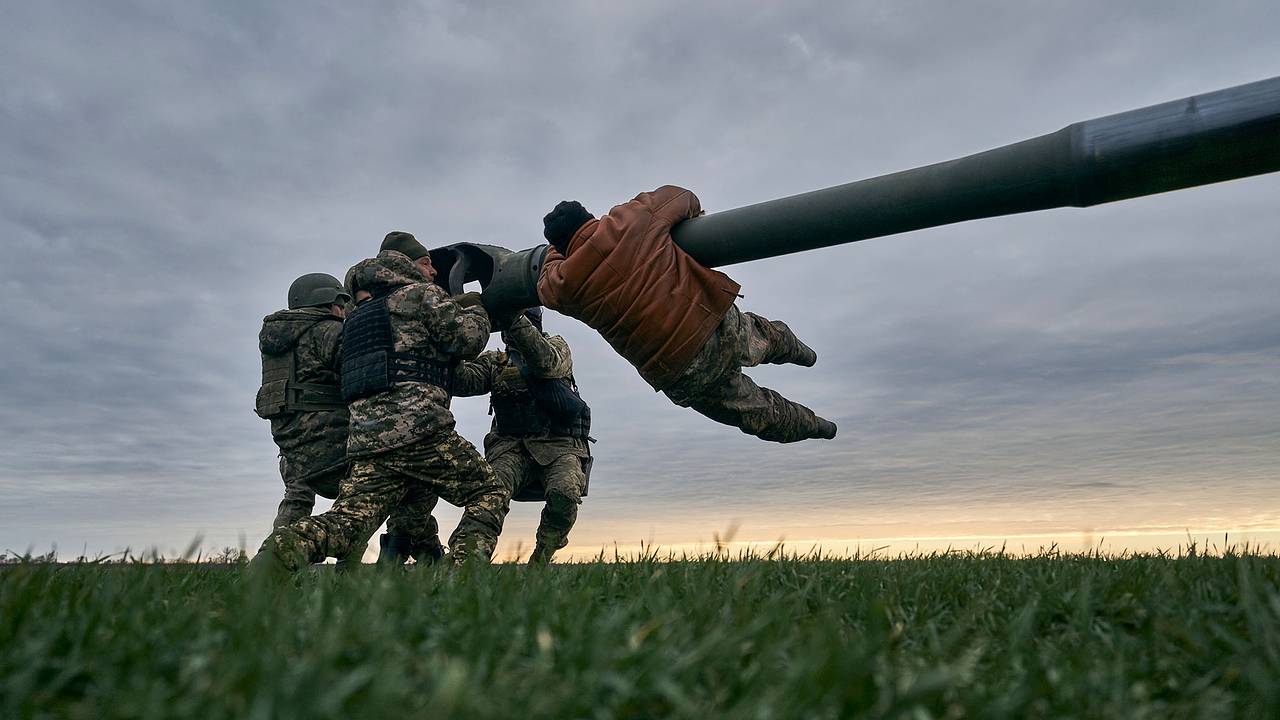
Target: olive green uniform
300	395
301	351
529	452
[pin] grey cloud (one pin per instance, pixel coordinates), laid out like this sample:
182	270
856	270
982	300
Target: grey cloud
166	171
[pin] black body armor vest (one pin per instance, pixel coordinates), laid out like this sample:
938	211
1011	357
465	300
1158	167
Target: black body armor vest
370	364
281	393
523	405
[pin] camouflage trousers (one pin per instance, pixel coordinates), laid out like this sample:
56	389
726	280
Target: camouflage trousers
406	483
299	499
563	482
714	385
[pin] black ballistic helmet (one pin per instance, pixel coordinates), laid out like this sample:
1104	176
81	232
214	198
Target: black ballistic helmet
316	290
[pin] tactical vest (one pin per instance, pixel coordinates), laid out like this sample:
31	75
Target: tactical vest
281	392
514	403
371	365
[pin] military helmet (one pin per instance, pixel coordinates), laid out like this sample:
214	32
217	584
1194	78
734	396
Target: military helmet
315	289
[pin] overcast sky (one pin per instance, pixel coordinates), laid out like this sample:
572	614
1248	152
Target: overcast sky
167	169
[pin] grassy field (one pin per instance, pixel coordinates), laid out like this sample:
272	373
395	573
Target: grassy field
944	636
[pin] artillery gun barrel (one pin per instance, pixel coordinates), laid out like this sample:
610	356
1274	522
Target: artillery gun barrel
1209	138
1222	135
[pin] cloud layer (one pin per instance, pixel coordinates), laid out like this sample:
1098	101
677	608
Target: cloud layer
166	171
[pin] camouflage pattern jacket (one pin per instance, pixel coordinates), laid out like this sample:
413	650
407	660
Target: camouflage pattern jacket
423	320
312	443
547	357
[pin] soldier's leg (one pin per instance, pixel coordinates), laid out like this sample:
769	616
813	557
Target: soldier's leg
463	478
721	392
736	400
771	341
412	527
564	481
393	549
328	484
431	550
512	469
363	502
354	557
299	499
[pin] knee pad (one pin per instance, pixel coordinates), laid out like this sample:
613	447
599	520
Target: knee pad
563	503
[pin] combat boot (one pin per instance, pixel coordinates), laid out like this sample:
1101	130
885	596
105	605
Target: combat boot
804	355
784	346
541	554
431	554
393	549
826	430
268	568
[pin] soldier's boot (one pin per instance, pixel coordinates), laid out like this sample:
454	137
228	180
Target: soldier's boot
393	549
736	400
272	565
431	553
351	563
558	516
825	430
541	555
804	356
267	569
783	345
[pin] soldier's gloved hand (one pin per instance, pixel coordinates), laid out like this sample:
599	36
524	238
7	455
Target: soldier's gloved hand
518	323
468	299
501	320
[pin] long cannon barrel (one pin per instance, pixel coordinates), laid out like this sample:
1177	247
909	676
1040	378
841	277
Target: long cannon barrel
1209	138
1222	135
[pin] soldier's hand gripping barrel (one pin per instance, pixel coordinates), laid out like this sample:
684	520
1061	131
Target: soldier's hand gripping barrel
1209	138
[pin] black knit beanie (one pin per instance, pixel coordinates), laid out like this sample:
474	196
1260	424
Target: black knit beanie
561	223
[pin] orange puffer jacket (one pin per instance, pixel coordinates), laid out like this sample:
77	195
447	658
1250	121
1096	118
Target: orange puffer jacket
625	277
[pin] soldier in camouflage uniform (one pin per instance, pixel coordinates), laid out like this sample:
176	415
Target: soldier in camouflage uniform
400	345
715	386
675	320
300	395
538	443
